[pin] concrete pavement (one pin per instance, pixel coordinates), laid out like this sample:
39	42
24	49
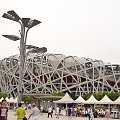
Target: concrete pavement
11	116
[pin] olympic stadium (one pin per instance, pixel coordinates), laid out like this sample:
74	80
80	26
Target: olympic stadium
48	73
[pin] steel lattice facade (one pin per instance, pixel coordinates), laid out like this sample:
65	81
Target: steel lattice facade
48	73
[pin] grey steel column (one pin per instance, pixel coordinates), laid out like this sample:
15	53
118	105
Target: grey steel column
22	63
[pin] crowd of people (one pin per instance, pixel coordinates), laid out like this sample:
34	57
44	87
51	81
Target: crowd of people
79	112
90	113
82	112
35	112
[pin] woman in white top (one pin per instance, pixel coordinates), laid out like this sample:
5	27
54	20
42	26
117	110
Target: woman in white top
57	112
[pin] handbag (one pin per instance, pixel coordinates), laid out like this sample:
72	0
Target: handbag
24	118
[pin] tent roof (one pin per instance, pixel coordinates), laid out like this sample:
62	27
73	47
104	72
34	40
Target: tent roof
15	100
1	99
11	100
91	100
79	100
105	100
117	101
7	99
65	99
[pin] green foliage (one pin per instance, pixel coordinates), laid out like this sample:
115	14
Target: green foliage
3	95
27	99
73	96
113	96
100	95
87	96
58	94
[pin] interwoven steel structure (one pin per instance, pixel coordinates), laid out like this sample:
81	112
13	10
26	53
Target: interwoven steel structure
48	73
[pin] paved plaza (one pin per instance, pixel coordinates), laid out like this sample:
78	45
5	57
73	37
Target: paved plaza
11	116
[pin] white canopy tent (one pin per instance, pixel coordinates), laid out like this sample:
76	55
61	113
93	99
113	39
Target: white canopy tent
11	100
105	100
79	100
1	99
117	101
7	99
91	100
15	100
65	99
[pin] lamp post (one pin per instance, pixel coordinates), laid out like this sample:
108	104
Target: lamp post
35	49
26	24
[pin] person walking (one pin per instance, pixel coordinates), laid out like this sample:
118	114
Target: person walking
88	113
20	112
69	112
107	114
34	112
50	112
4	110
91	115
95	113
41	110
78	112
57	112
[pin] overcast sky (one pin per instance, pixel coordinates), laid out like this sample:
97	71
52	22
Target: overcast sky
83	28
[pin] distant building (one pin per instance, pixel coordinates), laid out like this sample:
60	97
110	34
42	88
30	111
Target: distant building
48	73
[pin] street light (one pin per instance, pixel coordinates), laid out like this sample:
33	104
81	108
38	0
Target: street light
35	49
31	47
12	37
39	50
26	24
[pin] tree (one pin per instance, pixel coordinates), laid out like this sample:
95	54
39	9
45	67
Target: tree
100	95
3	95
73	96
26	99
87	96
113	96
58	94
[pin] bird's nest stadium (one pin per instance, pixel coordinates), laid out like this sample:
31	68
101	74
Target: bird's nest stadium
48	73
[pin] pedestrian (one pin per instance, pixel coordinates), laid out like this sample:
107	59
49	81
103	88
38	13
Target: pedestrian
95	113
41	110
34	112
88	113
57	112
69	112
50	112
107	114
77	112
91	114
4	110
20	112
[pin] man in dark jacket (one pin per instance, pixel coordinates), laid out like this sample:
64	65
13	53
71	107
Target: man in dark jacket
3	110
